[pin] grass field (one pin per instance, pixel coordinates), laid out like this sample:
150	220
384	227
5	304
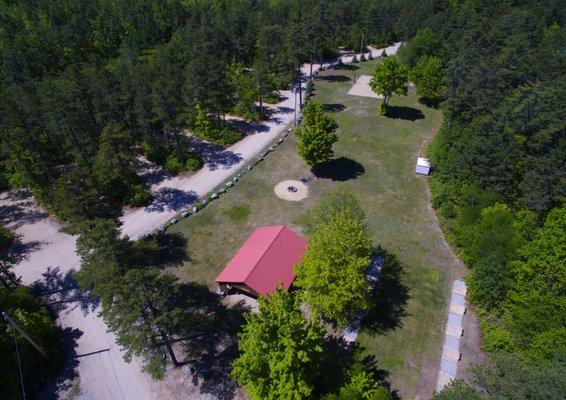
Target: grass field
375	158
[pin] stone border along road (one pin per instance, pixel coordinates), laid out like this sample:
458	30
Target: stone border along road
454	331
51	258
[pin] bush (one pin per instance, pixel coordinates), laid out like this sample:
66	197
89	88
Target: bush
156	152
173	164
383	109
495	338
194	162
355	59
383	53
212	130
142	196
448	210
272	98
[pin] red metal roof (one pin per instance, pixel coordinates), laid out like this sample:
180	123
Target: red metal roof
266	259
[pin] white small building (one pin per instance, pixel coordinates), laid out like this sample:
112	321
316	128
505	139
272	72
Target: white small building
423	166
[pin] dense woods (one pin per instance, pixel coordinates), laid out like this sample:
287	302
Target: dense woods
86	88
499	179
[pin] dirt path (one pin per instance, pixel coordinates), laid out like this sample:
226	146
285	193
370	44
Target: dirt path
50	259
471	340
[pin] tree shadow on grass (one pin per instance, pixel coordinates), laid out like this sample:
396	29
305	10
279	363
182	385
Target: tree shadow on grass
339	169
333	107
431	103
334	78
389	300
162	250
407	113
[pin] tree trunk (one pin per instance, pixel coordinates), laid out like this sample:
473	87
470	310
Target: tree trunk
164	338
310	75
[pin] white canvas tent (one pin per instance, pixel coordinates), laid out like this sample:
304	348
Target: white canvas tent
423	166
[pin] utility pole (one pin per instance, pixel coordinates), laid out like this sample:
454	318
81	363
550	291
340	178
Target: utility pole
15	328
26	337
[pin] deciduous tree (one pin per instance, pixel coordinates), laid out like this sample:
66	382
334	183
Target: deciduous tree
317	135
390	77
280	351
332	273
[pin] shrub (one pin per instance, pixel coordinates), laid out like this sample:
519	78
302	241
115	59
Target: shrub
383	109
355	59
173	164
272	98
194	162
142	196
447	210
383	53
494	338
156	152
363	57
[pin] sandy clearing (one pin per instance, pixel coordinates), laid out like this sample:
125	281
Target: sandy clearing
361	88
50	256
301	193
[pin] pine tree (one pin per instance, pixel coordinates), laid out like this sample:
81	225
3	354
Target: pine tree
143	314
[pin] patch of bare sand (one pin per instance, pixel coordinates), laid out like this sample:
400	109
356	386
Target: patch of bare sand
300	192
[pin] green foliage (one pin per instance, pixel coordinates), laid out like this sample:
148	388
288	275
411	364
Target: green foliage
458	390
280	350
390	77
383	109
139	303
495	235
508	377
489	282
141	315
535	305
362	386
194	162
425	43
495	338
428	76
214	130
316	136
142	196
332	271
104	257
246	90
38	323
173	164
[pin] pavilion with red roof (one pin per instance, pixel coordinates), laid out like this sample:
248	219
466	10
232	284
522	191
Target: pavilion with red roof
264	262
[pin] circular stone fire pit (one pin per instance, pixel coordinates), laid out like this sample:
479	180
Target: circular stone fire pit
291	190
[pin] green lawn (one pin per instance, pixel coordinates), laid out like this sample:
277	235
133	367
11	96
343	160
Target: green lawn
375	158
